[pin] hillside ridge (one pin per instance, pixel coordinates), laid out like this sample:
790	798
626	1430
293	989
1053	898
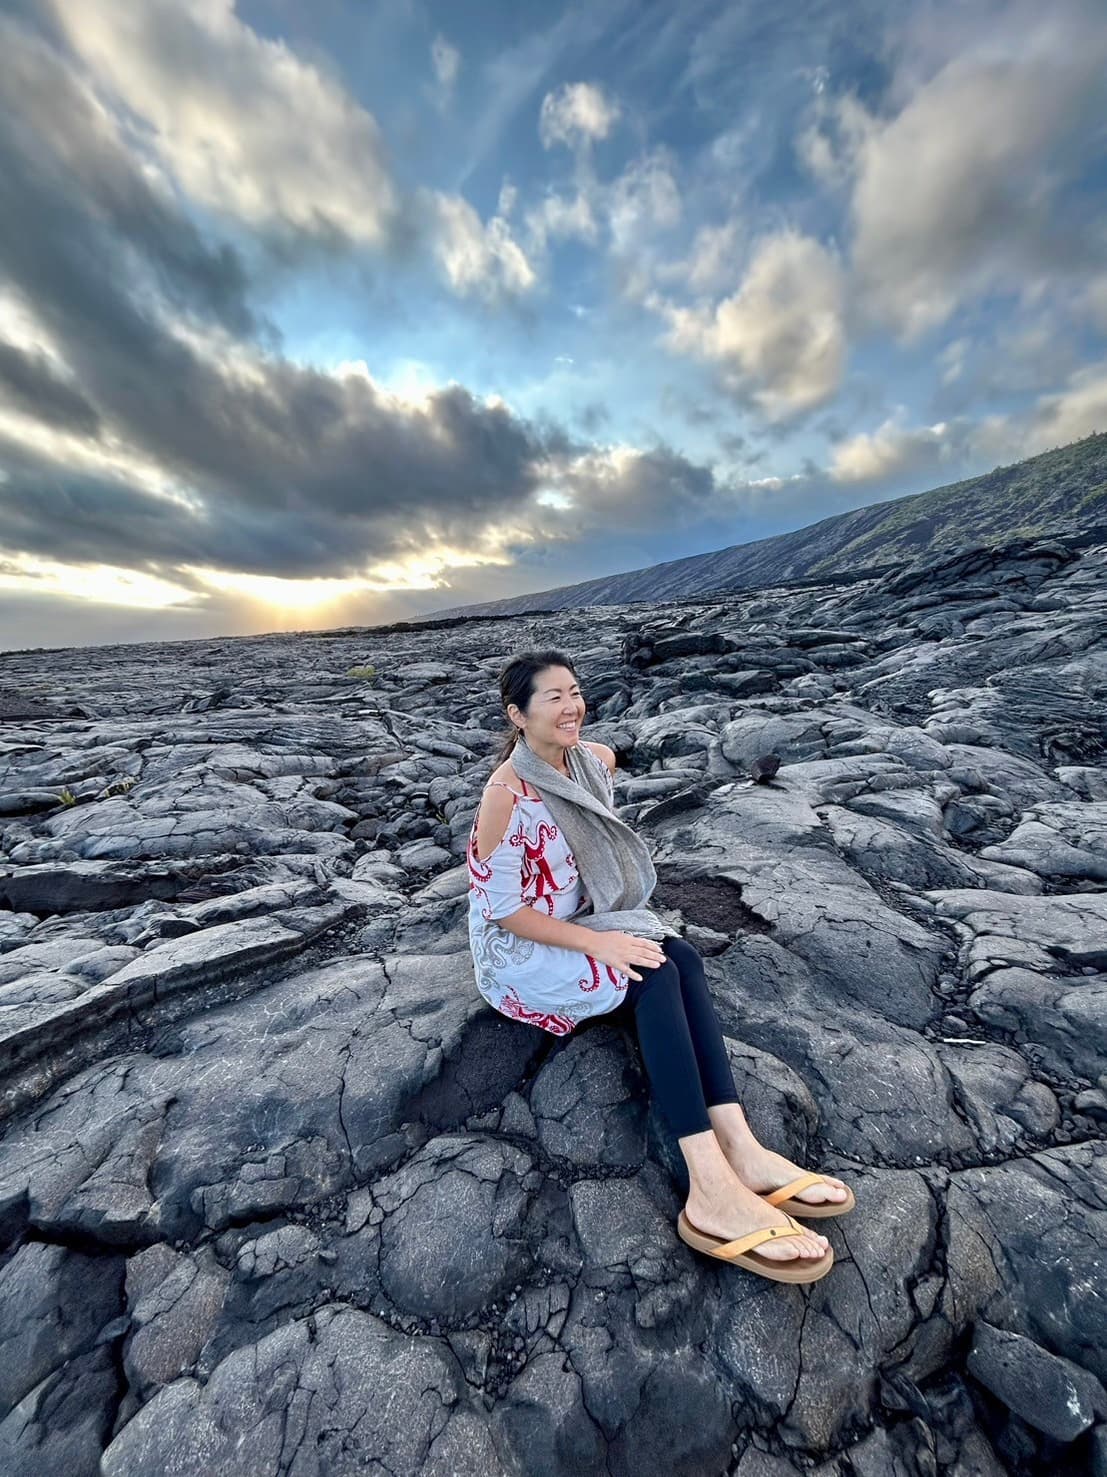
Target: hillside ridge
1063	490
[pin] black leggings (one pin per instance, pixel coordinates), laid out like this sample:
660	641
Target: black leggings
680	1038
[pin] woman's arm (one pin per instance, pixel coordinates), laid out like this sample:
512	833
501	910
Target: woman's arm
493	818
528	923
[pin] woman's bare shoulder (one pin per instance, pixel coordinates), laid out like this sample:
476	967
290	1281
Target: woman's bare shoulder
602	750
505	775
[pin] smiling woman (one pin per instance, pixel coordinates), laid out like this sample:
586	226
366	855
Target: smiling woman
522	863
560	930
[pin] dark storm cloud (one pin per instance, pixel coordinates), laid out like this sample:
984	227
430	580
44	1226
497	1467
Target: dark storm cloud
54	512
84	227
297	472
357	481
651	489
29	383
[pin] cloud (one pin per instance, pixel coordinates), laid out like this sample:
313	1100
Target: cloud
1026	355
560	217
895	450
246	128
515	74
102	237
958	188
642	207
779	340
31	386
240	121
643	201
157	440
632	213
715	250
1071	413
476	257
1095	302
830	144
446	60
593	416
890	452
632	490
952	359
326	476
149	416
577	114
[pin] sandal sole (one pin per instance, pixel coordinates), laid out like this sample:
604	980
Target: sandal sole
802	1269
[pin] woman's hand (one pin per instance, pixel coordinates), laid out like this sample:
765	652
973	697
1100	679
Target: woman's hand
625	950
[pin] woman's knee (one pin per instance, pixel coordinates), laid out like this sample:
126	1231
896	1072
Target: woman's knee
659	979
683	954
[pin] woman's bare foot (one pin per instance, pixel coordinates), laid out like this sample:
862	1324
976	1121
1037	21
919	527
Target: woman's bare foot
762	1170
737	1211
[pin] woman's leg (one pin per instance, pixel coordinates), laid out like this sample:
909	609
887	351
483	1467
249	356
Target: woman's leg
716	1076
757	1167
665	1041
717	1202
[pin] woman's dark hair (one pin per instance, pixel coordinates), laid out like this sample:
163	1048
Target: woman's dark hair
517	686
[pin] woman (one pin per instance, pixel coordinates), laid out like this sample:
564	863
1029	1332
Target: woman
560	931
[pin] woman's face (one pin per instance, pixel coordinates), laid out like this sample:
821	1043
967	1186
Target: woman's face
556	700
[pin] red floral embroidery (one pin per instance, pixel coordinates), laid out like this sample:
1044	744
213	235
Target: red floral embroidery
594	983
511	1005
537	872
482	871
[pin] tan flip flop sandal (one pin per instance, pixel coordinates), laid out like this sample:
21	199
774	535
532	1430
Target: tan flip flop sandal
784	1198
738	1251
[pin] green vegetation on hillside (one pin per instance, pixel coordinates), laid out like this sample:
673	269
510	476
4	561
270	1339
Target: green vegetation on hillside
1017	501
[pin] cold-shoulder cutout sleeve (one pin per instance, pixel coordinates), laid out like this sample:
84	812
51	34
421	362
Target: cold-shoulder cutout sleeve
498	879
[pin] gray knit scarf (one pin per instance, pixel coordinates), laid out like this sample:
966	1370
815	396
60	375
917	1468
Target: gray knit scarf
614	862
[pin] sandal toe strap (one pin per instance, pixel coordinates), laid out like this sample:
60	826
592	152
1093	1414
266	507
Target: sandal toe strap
793	1187
755	1238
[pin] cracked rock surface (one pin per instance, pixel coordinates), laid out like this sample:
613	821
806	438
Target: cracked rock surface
279	1193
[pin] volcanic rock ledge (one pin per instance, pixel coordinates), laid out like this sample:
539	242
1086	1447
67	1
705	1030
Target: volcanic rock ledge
280	1194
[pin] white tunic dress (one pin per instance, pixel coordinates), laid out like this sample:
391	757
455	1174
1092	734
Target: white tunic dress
533	866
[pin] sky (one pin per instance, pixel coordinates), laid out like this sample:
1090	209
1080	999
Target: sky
337	314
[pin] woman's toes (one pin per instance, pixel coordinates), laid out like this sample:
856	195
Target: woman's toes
794	1248
785	1253
832	1190
778	1251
